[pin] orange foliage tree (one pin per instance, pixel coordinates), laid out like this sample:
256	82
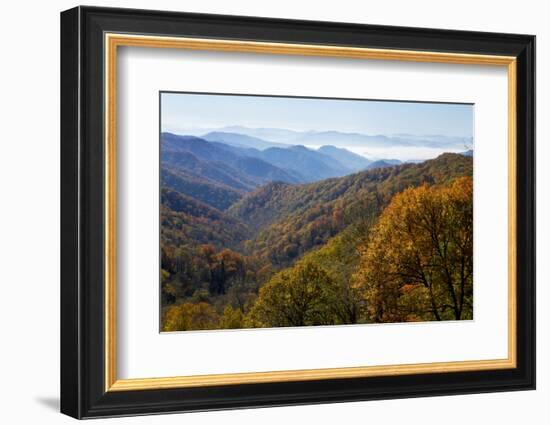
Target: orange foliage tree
418	261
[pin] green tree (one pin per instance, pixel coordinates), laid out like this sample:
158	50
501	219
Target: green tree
299	296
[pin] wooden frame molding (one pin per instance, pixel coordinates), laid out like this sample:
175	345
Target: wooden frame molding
114	40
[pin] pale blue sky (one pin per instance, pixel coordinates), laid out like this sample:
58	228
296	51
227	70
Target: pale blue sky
182	111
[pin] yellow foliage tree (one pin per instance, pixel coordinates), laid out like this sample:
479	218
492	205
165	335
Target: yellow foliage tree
418	261
190	316
232	318
300	296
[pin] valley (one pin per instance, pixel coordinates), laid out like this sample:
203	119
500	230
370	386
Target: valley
256	233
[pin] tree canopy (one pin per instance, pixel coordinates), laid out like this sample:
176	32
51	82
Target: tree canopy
418	261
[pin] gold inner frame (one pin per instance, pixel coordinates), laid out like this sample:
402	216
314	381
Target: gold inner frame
113	41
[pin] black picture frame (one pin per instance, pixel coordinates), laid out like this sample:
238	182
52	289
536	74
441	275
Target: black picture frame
83	392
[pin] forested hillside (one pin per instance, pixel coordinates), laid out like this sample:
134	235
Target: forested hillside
289	220
289	236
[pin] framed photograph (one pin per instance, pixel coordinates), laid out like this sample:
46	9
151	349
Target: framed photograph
261	212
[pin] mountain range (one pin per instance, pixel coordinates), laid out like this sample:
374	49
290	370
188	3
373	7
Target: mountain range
219	168
280	221
240	192
229	161
275	136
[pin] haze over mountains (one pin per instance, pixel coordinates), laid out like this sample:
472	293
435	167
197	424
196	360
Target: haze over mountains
225	159
219	167
261	138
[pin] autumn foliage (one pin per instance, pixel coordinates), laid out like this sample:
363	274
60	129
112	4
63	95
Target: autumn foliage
387	245
417	264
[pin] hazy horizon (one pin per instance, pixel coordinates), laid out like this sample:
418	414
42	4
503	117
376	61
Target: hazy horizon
371	128
403	153
192	131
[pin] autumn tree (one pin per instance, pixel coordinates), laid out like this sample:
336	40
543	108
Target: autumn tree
189	316
169	291
232	318
294	297
339	258
227	267
418	262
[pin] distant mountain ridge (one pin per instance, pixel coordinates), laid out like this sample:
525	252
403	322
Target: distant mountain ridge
343	160
240	140
351	160
381	163
221	175
240	169
352	139
311	164
245	168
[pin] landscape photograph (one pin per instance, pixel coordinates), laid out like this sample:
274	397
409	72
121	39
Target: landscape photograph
280	211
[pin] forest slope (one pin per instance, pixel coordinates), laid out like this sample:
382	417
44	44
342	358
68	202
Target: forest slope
288	220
